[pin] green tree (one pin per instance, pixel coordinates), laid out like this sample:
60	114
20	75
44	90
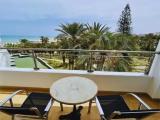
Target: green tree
148	42
93	38
124	23
121	61
96	34
71	33
101	41
10	45
24	43
44	40
63	43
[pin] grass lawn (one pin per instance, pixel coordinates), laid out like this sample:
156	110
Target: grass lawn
27	62
139	65
56	63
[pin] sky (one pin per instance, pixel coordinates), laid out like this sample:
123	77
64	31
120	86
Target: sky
42	17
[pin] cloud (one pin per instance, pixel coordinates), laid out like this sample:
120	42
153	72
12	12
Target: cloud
27	14
42	9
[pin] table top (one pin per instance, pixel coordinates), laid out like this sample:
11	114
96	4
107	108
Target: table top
73	90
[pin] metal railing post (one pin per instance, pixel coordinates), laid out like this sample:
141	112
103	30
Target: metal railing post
90	63
34	60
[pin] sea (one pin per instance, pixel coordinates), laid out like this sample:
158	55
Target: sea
16	38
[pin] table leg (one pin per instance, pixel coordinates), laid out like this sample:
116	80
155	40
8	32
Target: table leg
74	108
74	115
90	105
61	106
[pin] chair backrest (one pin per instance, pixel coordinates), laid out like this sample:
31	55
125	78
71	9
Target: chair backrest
38	100
134	114
115	107
112	103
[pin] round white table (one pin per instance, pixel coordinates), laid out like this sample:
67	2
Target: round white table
74	90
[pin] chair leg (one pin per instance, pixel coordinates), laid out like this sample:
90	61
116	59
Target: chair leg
28	117
12	117
61	106
90	105
46	118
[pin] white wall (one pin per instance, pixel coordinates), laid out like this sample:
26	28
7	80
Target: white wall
154	89
106	81
4	58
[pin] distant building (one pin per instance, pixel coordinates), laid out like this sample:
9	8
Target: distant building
52	40
39	41
35	41
4	58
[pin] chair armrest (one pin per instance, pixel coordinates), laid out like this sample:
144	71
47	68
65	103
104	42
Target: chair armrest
99	107
134	113
10	97
142	103
49	105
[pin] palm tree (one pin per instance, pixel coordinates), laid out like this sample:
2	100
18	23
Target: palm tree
63	43
97	28
44	40
71	33
121	61
95	37
100	40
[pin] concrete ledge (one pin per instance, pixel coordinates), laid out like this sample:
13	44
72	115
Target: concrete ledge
79	72
44	78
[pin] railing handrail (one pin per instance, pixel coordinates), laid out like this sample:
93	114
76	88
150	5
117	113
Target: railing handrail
82	50
91	53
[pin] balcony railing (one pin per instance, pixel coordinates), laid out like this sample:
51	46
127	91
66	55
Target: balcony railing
90	60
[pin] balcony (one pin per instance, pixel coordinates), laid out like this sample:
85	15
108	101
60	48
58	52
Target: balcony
34	79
